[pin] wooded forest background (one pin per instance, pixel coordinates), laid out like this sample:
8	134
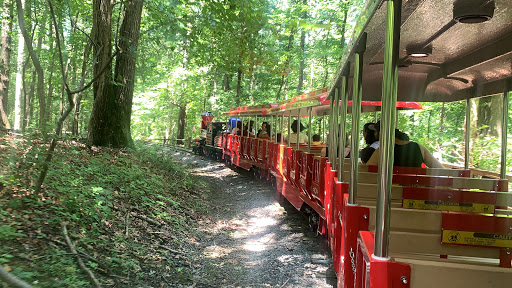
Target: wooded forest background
154	66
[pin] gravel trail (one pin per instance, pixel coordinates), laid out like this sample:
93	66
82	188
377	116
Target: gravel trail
253	237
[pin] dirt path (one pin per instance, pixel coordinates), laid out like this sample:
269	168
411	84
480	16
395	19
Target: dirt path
252	240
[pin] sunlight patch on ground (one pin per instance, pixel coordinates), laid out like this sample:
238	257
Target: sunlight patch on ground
216	251
289	259
259	244
273	209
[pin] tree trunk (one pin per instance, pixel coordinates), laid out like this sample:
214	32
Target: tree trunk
226	81
488	120
238	86
19	76
37	65
280	88
78	97
5	59
346	6
62	100
50	78
29	101
182	124
112	108
302	49
441	125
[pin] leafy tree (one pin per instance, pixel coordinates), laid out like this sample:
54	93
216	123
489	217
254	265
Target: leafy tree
113	93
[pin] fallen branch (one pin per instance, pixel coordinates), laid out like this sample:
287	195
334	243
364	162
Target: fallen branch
171	250
80	262
141	217
147	219
12	280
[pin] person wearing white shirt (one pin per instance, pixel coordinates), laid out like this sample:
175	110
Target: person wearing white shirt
293	137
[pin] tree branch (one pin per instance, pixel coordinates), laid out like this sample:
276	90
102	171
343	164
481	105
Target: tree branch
80	262
12	280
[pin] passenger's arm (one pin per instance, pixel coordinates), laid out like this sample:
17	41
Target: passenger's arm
429	159
374	160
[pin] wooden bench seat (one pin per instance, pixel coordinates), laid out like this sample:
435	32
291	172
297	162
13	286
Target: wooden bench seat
444	273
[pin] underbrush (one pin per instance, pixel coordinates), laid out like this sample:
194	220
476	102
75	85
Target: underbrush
130	214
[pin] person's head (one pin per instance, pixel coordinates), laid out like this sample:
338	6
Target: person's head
398	134
370	133
316	138
295	123
264	126
239	124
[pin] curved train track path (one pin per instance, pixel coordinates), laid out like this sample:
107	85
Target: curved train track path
255	239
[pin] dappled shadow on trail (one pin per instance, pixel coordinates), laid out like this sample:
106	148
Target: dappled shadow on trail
252	239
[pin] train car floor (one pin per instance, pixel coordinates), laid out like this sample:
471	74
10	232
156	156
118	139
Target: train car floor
251	238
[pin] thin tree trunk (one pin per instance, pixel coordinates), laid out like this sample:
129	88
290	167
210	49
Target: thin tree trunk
326	77
78	97
182	123
37	65
302	50
346	6
280	88
50	78
226	82
326	61
19	74
238	86
61	105
284	77
251	87
441	124
5	59
302	61
29	101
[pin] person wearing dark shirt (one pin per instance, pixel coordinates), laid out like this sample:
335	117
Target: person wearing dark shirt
371	137
407	153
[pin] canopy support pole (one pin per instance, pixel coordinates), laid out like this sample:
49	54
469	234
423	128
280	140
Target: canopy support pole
344	107
387	133
468	133
504	125
289	127
357	95
298	130
310	112
331	121
335	128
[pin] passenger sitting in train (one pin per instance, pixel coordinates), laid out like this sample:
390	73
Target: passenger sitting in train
264	132
302	137
371	137
407	153
316	140
249	129
237	129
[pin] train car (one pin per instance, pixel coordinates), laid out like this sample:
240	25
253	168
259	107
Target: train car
391	226
406	231
209	142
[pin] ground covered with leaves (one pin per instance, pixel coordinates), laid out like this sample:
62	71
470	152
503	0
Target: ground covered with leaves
147	217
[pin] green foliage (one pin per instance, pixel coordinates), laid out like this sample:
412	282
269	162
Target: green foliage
93	192
208	43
